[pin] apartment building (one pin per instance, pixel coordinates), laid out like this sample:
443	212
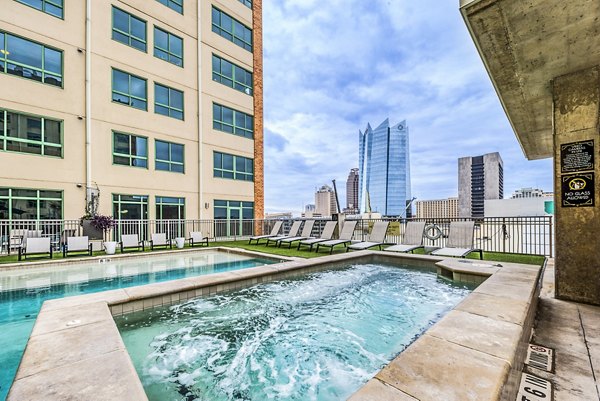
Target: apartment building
480	178
140	109
438	208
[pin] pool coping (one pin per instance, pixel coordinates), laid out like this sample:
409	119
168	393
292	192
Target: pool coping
75	350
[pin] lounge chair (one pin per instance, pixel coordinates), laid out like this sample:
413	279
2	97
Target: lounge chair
305	234
160	239
35	246
77	244
131	241
460	241
325	236
292	233
376	238
197	238
274	232
344	239
413	238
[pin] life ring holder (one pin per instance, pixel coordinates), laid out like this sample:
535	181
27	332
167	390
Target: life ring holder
433	232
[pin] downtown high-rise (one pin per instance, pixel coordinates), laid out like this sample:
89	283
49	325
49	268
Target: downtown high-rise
480	178
384	169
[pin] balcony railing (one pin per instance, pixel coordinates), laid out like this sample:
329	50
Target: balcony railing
525	235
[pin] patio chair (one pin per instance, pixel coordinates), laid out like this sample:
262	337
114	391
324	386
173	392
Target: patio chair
460	241
35	246
413	238
325	236
292	233
376	238
160	239
305	234
274	232
197	238
344	239
77	244
131	241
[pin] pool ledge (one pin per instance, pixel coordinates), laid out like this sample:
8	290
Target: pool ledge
76	352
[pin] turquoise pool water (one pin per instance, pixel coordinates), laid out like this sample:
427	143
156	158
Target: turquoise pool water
318	337
22	292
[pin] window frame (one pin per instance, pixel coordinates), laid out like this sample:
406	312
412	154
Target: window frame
247	3
234	127
129	156
128	34
233	171
37	200
43	9
168	51
129	95
4	138
168	106
158	202
248	90
232	36
167	3
4	61
169	162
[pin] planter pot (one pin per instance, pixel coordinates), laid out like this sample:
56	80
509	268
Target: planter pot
90	231
110	247
179	242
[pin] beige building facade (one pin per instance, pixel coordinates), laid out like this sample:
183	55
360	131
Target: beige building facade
438	208
152	109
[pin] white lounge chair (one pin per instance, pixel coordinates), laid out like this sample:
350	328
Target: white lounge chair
376	238
131	241
77	244
197	238
274	232
460	241
344	239
160	239
305	234
35	246
413	238
325	236
292	233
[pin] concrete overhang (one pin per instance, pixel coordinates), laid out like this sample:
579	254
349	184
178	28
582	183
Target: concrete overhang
524	45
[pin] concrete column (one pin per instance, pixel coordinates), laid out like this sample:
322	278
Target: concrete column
576	99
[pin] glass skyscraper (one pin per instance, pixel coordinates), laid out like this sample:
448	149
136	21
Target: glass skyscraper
384	165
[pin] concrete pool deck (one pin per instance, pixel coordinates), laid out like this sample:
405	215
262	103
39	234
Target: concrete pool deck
474	353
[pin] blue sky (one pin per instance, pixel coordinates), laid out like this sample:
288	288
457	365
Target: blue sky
331	67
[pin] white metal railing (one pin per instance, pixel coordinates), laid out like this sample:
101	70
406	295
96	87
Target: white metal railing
526	235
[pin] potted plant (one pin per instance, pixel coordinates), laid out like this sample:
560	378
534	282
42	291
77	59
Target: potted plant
97	227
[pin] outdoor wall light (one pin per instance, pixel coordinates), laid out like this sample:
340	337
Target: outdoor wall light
206	205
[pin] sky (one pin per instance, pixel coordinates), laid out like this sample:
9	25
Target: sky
331	67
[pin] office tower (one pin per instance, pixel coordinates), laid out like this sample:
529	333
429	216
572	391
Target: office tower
384	168
480	178
438	208
352	192
169	125
325	204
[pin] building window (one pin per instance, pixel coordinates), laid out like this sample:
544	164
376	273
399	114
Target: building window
233	121
170	208
231	29
238	216
168	101
168	47
131	207
169	156
247	3
233	167
176	5
231	75
30	134
31	60
128	29
129	90
52	7
130	150
30	204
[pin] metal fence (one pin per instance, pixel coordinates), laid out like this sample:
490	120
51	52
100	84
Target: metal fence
526	235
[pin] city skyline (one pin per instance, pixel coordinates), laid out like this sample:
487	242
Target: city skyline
324	78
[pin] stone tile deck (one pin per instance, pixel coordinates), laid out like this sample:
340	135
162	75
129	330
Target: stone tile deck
573	330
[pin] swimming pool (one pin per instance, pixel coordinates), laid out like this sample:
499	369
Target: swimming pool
316	337
23	291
